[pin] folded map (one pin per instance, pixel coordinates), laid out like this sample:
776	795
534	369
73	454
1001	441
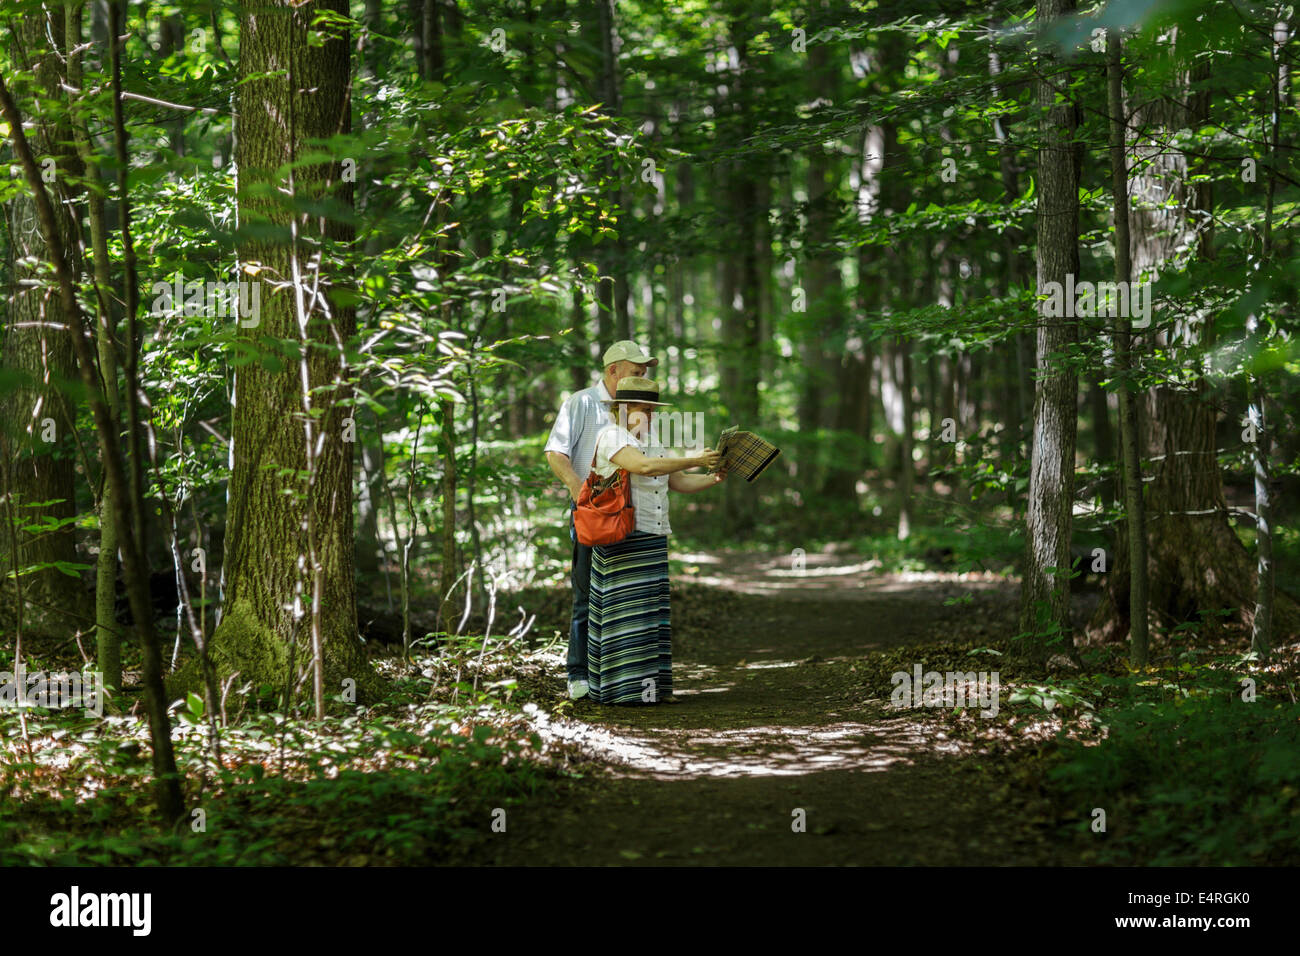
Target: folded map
744	453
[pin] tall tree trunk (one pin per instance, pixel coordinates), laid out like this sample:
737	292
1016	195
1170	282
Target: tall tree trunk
171	41
681	267
580	368
1045	594
1195	560
907	442
166	783
858	371
943	455
615	321
450	565
1135	528
108	641
1019	361
372	18
294	88
743	288
37	420
1103	436
1261	630
369	549
820	267
835	365
894	291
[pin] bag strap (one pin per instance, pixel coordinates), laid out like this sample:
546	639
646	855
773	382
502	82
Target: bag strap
599	485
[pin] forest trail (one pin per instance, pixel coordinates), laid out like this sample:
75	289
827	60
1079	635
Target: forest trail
773	718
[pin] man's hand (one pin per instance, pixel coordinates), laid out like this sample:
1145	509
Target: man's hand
563	470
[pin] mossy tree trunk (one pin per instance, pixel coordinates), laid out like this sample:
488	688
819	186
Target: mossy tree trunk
289	525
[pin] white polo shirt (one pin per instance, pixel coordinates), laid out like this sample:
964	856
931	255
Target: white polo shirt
580	420
649	492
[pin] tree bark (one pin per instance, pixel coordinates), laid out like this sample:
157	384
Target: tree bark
1019	361
1103	435
369	548
37	419
1261	628
1196	562
615	321
166	782
449	571
1122	335
742	289
108	640
1045	592
821	266
269	577
907	466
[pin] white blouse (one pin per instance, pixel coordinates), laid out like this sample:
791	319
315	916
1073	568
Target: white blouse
649	492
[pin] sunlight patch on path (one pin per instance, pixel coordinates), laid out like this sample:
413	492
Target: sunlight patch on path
670	754
854	580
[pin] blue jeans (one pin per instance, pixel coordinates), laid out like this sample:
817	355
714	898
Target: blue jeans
581	580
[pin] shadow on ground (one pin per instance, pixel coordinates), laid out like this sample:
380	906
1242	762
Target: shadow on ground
775	752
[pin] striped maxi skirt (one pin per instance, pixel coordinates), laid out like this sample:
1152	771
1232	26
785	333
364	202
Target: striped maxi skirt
629	626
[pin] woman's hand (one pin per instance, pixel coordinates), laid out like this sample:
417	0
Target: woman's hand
708	458
689	484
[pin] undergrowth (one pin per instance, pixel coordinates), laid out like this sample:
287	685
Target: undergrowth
396	783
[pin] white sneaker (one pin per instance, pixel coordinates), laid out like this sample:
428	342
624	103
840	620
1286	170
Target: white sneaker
578	688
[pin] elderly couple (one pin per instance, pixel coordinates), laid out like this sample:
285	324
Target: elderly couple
620	636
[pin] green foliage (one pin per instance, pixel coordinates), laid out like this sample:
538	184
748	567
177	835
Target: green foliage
389	786
493	192
1197	780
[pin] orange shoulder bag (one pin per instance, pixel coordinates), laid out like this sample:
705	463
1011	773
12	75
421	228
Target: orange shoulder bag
604	514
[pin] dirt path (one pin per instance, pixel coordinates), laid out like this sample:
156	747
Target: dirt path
773	723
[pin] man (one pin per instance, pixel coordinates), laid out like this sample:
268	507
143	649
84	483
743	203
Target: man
569	452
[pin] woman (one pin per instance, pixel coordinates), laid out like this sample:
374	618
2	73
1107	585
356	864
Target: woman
629	631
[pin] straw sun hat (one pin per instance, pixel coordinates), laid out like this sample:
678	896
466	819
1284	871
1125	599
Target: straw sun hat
636	390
